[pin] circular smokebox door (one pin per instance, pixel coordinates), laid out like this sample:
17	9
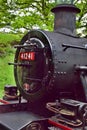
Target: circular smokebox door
33	69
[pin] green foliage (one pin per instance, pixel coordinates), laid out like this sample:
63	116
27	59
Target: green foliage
7	53
8	38
26	14
7	41
6	72
31	14
82	17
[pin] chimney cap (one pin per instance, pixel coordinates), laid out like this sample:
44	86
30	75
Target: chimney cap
66	7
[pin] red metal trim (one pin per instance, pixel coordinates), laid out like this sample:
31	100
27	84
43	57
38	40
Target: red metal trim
63	127
3	101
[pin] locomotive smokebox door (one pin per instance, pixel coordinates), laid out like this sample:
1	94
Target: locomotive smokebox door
33	65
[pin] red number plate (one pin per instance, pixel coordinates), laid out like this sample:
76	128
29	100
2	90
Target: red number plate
27	56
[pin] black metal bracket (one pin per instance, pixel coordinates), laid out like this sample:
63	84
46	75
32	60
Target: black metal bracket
66	46
20	64
27	45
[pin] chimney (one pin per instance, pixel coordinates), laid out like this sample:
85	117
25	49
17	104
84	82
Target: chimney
65	17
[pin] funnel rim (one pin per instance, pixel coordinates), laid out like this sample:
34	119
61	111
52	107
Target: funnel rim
65	7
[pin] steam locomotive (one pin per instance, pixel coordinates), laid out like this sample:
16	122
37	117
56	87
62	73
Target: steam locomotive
50	70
